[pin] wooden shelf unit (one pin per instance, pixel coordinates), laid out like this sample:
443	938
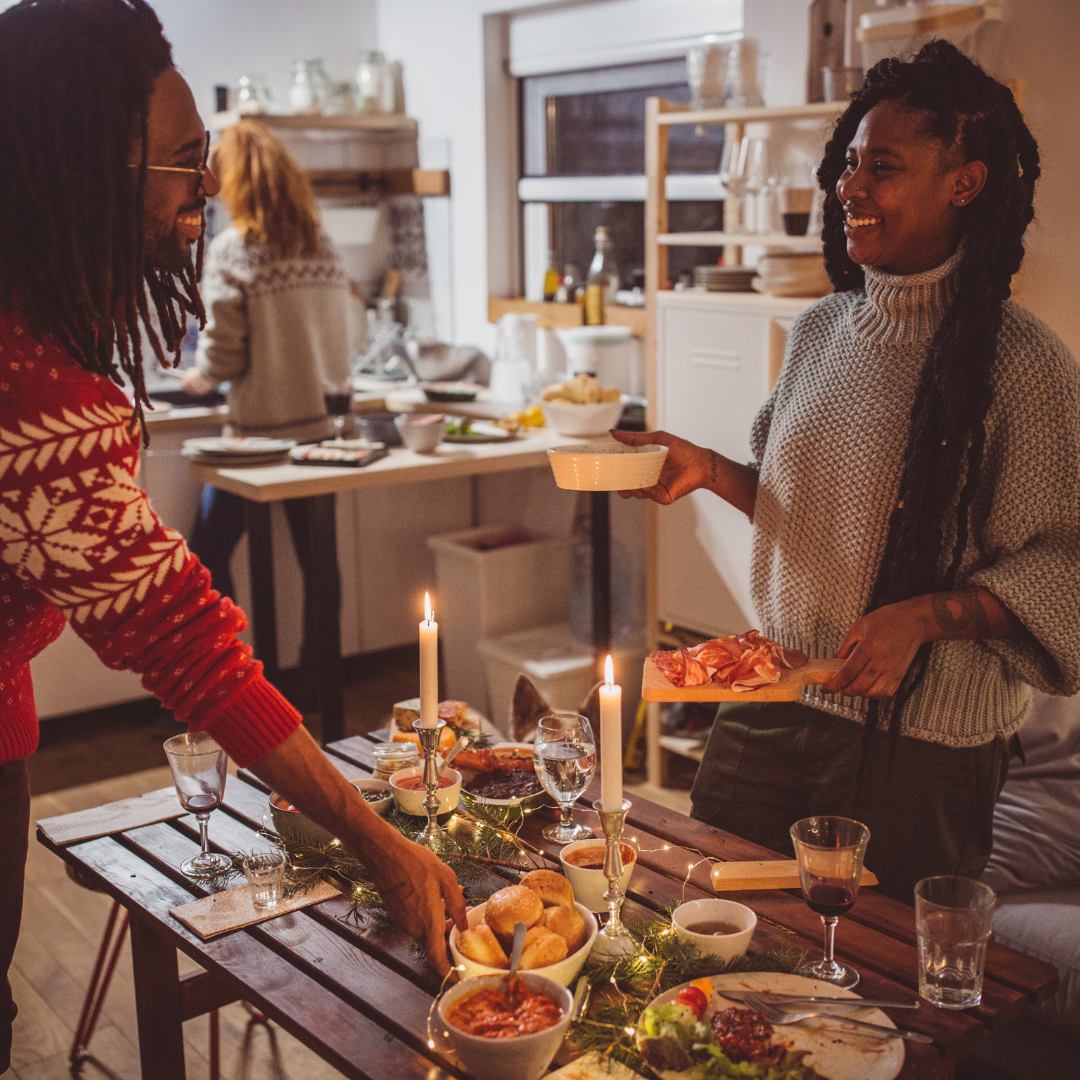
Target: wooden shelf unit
370	123
727	239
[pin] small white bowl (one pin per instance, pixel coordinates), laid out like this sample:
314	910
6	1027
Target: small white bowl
590	885
411	801
729	946
380	806
609	466
578	421
420	433
521	1057
295	825
564	972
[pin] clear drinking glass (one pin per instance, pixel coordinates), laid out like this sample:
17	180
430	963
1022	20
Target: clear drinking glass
265	872
565	761
199	768
953	920
370	77
338	393
735	163
830	851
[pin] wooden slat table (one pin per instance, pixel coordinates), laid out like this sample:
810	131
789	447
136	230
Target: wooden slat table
360	998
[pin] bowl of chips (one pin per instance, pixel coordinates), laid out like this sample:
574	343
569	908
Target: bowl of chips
581	407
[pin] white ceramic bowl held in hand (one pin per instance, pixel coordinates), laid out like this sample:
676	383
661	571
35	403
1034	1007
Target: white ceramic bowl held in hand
521	1057
724	947
607	466
579	421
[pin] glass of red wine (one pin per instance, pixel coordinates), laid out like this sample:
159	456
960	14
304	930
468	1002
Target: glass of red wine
199	767
830	852
338	394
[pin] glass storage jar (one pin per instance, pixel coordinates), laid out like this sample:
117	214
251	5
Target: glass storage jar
392	756
370	79
310	87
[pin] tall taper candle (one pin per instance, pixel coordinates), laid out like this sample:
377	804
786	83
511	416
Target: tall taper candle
429	667
610	740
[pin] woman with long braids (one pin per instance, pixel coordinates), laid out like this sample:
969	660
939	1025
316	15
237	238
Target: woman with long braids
103	179
915	491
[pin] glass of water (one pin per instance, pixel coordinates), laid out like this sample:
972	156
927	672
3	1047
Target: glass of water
565	761
265	872
953	920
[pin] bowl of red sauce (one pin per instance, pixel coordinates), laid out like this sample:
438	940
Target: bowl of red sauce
410	793
501	1031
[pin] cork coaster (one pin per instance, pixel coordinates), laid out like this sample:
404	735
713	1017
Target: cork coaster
232	909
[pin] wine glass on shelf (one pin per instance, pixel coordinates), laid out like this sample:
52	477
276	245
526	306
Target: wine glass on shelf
338	393
565	761
198	768
830	852
735	162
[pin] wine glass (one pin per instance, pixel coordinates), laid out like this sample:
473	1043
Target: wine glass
565	761
198	767
830	852
337	393
735	164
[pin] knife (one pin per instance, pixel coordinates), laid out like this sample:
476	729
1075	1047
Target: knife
785	1000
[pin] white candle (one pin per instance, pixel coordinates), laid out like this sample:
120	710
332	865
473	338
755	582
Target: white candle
429	667
610	741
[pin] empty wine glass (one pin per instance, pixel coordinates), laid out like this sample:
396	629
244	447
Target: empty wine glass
830	852
337	393
565	761
198	768
735	165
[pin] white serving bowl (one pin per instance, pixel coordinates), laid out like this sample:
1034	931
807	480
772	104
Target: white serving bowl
590	885
727	947
564	972
521	1057
420	433
295	825
411	801
578	421
608	466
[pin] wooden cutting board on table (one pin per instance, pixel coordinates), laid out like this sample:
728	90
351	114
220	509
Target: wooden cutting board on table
654	687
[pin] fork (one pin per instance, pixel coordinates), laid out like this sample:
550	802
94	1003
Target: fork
777	1015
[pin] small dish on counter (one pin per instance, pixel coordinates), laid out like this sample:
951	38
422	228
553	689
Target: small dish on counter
450	391
578	421
731	926
421	432
378	427
608	466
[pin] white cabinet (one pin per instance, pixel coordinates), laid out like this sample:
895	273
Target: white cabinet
718	355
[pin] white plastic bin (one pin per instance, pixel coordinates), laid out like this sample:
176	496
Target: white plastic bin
562	669
487	593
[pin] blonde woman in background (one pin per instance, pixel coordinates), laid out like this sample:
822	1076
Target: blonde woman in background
276	301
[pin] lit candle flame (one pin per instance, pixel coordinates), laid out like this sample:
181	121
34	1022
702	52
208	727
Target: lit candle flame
427	608
609	673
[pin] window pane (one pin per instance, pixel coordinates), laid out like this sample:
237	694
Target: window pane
573	225
603	134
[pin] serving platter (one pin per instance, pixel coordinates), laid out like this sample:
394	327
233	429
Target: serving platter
655	687
838	1051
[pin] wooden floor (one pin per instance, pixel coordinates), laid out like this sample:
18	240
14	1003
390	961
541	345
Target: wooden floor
61	929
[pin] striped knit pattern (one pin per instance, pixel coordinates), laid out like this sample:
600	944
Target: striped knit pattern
78	540
829	445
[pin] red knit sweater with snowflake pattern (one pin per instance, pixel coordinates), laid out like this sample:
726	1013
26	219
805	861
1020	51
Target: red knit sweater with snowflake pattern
79	541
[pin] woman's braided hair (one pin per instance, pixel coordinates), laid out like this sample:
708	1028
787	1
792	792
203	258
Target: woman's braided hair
964	109
75	84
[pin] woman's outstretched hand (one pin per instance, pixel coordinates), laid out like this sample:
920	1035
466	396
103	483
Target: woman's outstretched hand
878	651
682	472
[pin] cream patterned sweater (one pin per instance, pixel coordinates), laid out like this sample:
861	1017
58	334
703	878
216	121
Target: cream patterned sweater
829	446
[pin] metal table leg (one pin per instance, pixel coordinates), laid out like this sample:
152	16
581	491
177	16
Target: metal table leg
261	573
600	538
326	603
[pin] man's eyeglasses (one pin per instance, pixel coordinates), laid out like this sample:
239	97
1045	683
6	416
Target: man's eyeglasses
201	170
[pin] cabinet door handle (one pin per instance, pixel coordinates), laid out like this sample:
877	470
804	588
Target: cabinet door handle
716	358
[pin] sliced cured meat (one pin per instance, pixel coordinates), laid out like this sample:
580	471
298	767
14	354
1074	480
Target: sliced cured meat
784	657
680	668
739	662
718	653
756	668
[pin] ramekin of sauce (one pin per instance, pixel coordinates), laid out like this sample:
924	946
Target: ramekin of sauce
504	1013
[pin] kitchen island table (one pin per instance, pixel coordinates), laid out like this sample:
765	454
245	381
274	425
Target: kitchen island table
360	997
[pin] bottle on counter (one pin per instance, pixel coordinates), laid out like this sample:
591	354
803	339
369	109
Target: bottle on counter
596	285
551	278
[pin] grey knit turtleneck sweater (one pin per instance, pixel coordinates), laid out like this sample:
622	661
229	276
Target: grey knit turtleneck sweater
829	444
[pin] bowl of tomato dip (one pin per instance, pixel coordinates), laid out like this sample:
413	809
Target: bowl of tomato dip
502	1031
410	793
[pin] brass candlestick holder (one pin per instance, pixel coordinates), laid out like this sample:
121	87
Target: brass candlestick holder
429	744
613	941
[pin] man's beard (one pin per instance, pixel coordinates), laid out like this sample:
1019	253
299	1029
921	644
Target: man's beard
170	253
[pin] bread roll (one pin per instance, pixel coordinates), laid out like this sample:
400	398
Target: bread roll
568	924
481	945
552	888
542	948
509	906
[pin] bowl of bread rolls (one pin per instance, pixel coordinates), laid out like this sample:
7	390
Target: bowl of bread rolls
559	938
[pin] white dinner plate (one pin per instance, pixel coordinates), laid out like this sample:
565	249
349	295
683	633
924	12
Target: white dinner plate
238	446
481	432
837	1050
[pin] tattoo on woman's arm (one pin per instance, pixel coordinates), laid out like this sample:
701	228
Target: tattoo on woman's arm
957	612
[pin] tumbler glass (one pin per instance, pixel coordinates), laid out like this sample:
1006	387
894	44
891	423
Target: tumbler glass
953	921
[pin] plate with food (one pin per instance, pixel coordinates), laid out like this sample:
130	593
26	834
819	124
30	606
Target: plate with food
461	430
501	778
450	391
693	1032
739	667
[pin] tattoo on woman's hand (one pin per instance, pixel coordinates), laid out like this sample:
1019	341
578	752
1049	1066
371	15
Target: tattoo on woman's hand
956	612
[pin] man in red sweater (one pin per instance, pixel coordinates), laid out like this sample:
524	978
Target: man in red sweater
103	180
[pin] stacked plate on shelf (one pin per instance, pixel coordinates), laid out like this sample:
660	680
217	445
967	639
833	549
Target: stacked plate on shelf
724	278
792	273
236	451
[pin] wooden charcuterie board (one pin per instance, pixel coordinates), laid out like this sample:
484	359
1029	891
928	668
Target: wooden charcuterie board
654	687
778	874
